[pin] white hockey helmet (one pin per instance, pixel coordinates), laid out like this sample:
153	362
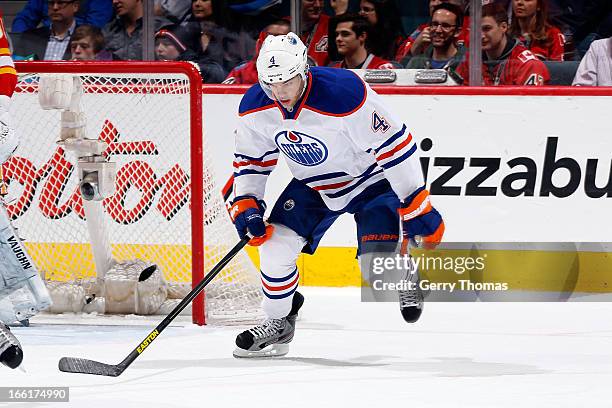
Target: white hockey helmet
281	58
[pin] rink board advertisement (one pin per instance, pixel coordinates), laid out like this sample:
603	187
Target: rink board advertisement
501	168
148	216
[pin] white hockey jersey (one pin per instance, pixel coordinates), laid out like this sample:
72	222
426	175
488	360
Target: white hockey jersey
339	139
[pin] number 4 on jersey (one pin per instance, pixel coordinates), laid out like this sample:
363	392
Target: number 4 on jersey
379	123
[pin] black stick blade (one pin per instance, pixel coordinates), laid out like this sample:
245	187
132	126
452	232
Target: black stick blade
84	366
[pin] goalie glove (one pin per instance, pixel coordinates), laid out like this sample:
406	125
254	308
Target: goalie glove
419	218
247	215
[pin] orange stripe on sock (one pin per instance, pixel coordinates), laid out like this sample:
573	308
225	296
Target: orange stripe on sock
284	287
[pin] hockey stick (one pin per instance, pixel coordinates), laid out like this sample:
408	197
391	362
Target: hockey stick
84	366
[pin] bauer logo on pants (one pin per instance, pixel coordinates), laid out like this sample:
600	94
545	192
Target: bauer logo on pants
301	148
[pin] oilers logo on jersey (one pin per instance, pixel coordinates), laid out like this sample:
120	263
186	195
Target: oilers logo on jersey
339	140
301	148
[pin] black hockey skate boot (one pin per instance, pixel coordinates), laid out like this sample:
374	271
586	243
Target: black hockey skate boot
411	300
272	337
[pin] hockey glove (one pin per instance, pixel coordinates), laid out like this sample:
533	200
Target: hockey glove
247	214
419	218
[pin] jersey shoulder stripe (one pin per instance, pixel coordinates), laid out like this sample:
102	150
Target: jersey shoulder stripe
400	159
335	92
254	100
391	139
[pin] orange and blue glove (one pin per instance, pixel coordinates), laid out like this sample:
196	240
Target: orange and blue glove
419	218
247	214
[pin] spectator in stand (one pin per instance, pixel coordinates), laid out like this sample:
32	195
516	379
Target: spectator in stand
202	14
530	25
443	52
505	60
315	25
211	25
94	12
88	44
50	43
247	73
339	6
596	23
201	10
176	45
220	36
420	39
176	11
387	30
581	22
123	35
351	33
595	69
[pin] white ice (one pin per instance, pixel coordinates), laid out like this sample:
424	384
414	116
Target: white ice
345	354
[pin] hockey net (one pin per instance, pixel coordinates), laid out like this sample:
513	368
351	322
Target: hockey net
166	208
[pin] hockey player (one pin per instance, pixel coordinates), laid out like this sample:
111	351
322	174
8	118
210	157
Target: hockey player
348	153
22	291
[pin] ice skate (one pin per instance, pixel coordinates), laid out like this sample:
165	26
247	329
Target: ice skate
271	338
411	300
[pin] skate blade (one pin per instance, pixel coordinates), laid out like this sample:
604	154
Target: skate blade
273	350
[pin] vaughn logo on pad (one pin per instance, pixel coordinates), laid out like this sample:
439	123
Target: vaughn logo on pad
301	148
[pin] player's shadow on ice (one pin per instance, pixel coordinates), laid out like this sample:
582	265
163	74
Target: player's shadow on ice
438	367
328	362
254	362
466	367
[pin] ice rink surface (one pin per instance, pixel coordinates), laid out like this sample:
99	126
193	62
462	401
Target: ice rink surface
345	354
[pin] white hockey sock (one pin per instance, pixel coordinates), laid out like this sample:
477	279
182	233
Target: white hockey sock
279	273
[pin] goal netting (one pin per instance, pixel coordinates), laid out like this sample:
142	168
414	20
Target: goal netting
166	208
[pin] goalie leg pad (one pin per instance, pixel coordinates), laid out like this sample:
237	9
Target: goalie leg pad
16	266
23	292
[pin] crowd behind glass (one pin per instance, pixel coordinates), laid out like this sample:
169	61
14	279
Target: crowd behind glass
524	42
